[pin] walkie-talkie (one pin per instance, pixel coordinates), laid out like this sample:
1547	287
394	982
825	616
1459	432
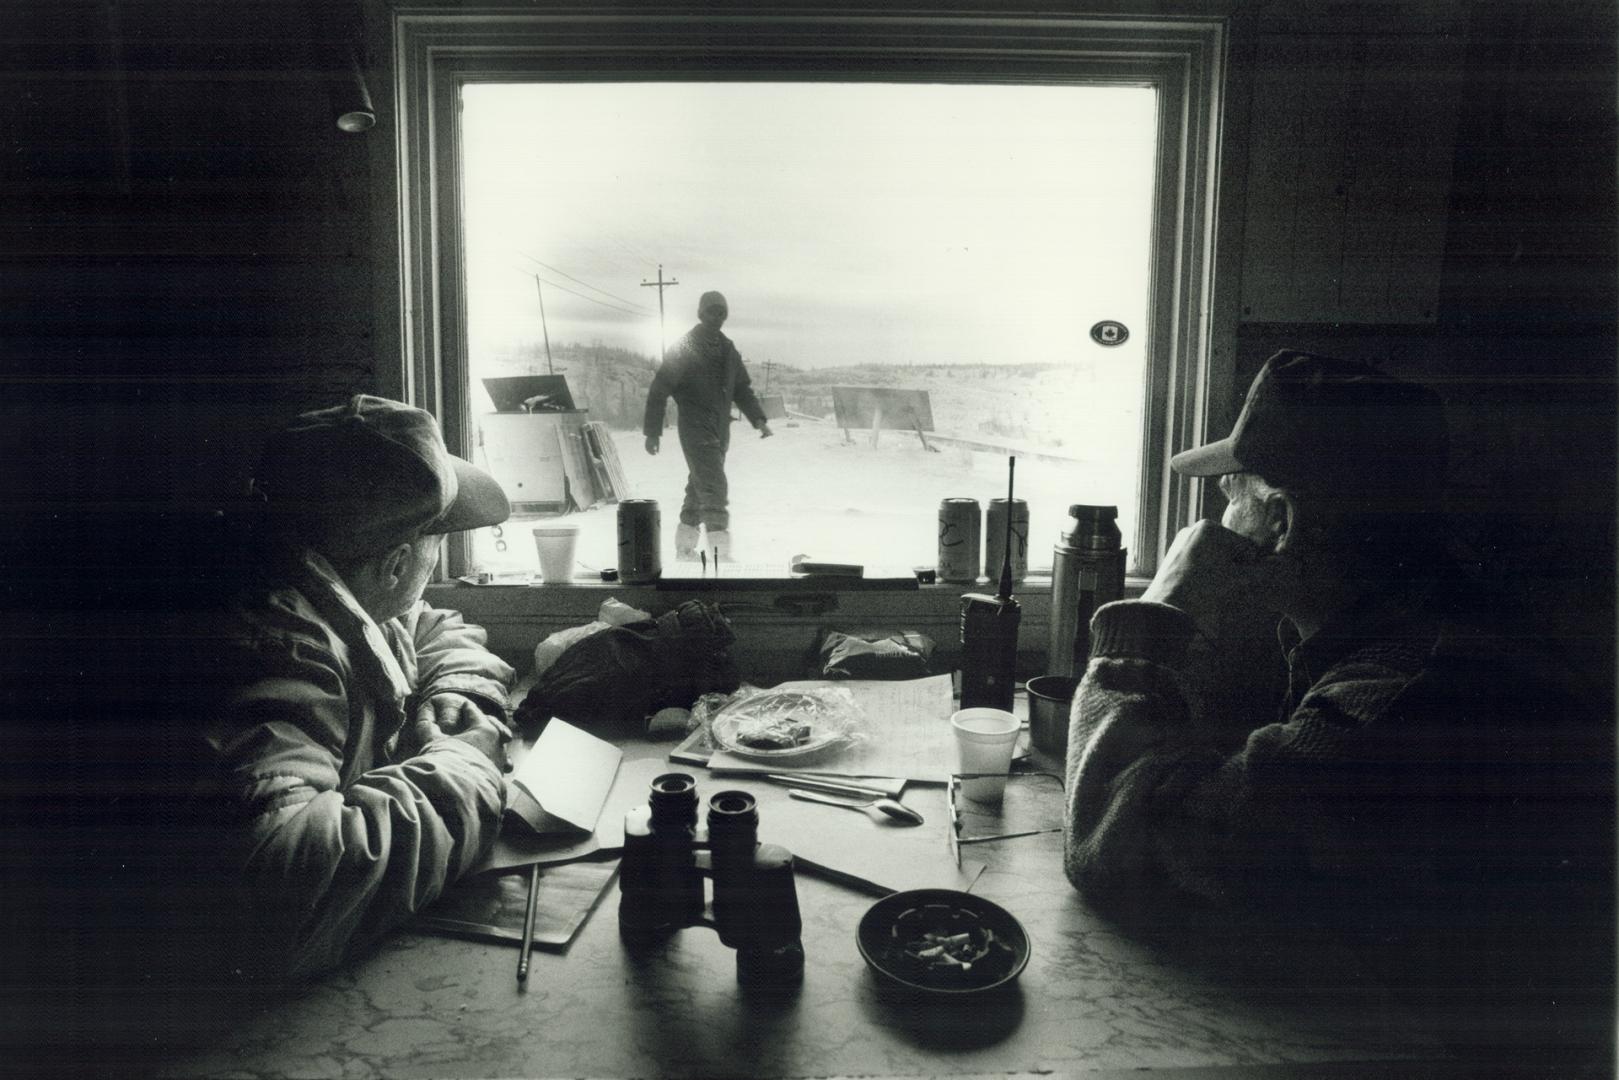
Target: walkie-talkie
989	627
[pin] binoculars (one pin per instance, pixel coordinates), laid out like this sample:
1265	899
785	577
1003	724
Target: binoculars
667	856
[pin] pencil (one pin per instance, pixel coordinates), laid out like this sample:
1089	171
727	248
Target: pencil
528	922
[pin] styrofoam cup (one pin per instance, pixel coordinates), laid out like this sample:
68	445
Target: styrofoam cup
555	544
985	739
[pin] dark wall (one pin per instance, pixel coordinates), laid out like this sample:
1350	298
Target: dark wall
1474	198
186	244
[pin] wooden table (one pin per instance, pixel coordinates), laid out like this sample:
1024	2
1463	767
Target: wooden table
1092	998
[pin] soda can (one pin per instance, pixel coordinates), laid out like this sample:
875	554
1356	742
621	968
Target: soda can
995	539
639	529
959	525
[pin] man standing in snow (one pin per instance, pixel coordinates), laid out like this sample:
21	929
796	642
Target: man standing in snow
703	372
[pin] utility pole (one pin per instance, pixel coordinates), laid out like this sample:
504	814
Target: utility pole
767	375
660	285
549	370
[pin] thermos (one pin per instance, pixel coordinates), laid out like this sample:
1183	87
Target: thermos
1087	571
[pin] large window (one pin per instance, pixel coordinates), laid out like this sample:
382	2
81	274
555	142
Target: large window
943	241
938	252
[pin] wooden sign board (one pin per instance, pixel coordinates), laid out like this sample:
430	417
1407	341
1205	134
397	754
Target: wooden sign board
878	407
774	405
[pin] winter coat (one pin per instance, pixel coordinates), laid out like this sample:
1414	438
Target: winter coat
1438	792
330	834
703	372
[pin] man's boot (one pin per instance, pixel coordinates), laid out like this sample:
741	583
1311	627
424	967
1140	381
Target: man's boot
719	545
686	542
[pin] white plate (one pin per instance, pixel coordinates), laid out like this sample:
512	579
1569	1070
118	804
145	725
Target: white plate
724	725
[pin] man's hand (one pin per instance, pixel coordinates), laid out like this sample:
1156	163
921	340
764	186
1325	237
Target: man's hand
652	444
456	716
488	736
764	430
1208	570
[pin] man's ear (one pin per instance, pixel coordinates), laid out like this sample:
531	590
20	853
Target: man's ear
391	567
1281	521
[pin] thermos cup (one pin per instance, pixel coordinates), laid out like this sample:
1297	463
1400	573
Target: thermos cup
1087	571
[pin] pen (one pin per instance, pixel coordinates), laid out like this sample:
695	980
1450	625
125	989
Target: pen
528	922
831	787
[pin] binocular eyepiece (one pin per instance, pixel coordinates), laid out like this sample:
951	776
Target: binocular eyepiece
667	856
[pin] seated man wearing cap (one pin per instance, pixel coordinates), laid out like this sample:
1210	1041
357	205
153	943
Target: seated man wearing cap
1420	778
354	747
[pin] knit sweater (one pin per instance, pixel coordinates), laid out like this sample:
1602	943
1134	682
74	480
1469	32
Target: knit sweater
1414	764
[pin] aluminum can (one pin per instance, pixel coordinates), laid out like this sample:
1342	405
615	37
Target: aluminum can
1087	571
639	529
959	525
995	539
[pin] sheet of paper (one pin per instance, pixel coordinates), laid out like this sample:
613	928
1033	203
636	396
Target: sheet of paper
492	907
907	724
517	845
563	780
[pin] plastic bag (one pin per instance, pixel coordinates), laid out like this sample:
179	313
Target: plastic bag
613	612
788	723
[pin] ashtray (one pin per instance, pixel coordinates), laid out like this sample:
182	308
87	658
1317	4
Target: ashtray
942	941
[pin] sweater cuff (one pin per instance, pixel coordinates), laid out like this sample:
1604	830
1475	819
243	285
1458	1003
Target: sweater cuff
1143	630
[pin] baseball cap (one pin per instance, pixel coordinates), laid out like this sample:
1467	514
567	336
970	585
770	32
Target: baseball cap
1319	424
372	473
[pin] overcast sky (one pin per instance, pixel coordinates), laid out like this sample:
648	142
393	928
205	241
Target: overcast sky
845	223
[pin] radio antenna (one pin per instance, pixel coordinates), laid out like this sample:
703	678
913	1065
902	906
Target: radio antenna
1005	591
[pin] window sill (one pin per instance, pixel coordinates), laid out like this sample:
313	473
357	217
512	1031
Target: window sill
776	622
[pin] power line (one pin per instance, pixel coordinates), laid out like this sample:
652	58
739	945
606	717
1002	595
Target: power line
582	296
586	284
634	252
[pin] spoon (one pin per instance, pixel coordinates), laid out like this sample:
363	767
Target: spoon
892	807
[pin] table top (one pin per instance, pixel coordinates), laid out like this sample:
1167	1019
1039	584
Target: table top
1093	997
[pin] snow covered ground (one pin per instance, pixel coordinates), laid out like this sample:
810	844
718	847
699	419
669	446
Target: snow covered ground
808	491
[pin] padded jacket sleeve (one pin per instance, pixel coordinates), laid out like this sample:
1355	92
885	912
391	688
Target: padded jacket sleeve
1154	803
664	383
450	656
323	867
742	393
